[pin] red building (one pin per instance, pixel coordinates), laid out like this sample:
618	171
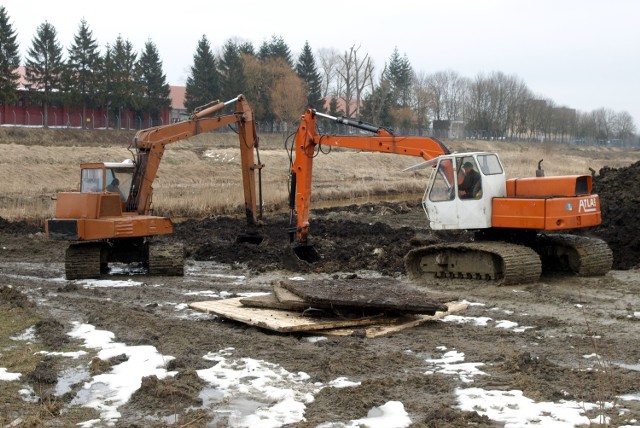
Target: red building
26	112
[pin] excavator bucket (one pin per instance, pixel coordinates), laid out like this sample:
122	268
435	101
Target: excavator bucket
298	257
307	253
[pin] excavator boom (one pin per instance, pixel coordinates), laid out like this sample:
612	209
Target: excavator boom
308	140
150	144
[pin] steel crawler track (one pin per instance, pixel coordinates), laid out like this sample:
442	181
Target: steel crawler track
502	262
82	261
166	260
579	254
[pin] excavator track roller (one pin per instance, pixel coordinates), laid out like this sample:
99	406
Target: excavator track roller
501	262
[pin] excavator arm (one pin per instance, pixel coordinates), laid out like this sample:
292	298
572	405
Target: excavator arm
149	145
307	142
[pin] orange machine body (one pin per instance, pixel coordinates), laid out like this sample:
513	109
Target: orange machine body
547	203
97	213
96	216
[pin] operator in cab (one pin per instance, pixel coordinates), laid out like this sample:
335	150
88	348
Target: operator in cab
470	183
114	187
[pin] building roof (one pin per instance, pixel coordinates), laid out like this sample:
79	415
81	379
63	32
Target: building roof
342	104
22	80
177	94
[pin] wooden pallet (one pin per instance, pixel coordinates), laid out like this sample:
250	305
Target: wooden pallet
286	321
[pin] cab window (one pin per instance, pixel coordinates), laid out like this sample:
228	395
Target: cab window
489	164
442	189
92	180
119	181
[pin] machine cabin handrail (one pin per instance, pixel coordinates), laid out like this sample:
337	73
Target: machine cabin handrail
307	139
150	145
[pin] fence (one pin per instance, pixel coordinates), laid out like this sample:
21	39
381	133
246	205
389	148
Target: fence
60	117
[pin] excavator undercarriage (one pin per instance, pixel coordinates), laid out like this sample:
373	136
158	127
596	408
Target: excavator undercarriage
87	260
508	263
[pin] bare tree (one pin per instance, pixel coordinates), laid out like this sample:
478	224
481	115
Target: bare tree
624	126
329	62
423	100
288	98
355	74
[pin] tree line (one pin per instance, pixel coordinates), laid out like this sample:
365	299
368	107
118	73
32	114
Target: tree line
280	87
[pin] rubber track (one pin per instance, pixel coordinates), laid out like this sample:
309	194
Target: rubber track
82	261
596	258
166	260
521	264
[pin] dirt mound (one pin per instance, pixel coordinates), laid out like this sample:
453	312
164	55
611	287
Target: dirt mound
620	206
14	298
344	245
19	227
52	333
183	390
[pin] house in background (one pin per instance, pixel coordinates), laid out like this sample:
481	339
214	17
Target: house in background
178	110
30	112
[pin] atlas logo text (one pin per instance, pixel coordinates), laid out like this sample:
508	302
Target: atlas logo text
587	205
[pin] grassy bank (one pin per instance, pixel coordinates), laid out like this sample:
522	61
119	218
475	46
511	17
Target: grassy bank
201	176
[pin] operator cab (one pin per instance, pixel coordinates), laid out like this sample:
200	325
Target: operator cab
109	177
461	189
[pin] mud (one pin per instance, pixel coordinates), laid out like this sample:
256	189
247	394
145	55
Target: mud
567	319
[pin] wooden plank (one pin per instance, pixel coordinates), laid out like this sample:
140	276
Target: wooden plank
267	301
370	293
401	324
273	319
285	296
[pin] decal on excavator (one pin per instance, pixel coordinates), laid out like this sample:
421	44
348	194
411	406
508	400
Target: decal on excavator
588	205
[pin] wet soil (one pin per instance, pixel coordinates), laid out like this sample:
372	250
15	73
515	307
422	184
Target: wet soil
570	318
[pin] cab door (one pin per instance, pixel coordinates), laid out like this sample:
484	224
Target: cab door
439	201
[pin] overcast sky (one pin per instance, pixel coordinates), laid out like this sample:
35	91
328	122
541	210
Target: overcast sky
583	54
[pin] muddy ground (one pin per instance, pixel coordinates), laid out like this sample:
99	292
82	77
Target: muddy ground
571	318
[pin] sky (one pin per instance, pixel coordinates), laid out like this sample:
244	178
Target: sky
255	392
581	54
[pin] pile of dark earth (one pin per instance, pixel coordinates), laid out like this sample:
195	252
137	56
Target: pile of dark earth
356	237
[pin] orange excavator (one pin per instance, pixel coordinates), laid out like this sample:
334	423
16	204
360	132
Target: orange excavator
518	224
110	218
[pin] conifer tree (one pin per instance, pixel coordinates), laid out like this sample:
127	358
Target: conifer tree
124	93
247	48
152	82
83	70
203	83
307	71
399	74
275	48
45	67
231	67
9	59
